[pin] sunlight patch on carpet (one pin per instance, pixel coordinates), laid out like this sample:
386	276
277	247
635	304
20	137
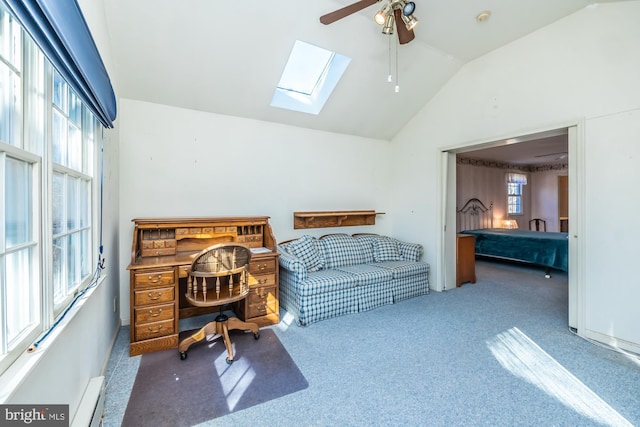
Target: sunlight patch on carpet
286	321
237	379
518	354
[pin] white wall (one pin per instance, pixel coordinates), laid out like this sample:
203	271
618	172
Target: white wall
582	69
80	347
613	284
178	162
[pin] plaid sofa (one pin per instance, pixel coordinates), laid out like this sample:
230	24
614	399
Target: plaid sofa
341	274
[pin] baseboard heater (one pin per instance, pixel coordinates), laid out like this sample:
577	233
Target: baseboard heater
91	408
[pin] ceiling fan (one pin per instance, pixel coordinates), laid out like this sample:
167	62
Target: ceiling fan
561	155
395	13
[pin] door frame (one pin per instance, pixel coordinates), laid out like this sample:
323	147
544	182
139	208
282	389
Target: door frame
446	259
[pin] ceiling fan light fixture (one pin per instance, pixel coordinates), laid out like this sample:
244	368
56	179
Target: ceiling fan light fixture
381	15
388	25
409	21
408	8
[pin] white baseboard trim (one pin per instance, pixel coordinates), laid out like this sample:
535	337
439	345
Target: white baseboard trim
613	342
91	406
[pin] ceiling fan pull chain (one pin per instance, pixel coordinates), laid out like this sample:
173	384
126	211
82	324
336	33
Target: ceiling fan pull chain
397	73
390	78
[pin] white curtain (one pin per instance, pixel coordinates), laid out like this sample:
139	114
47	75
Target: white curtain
517	178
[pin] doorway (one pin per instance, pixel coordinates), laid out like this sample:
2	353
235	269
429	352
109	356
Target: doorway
450	199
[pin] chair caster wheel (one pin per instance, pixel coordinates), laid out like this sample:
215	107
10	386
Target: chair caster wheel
256	336
229	362
183	355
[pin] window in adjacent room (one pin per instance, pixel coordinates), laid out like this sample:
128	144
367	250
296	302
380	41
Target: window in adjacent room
514	192
309	78
515	181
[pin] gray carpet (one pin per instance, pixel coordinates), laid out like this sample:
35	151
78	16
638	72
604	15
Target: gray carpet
495	353
173	392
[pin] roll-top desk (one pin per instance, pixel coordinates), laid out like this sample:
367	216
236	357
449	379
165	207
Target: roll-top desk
161	253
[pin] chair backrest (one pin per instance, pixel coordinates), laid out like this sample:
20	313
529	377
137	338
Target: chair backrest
222	257
537	223
219	275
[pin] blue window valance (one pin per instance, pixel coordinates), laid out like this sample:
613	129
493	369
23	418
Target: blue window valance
60	30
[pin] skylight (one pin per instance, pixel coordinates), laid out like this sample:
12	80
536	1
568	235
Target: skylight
309	78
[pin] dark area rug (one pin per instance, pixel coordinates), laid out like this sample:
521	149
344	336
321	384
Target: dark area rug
173	392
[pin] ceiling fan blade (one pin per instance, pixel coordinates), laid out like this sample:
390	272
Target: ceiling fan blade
346	11
404	35
552	154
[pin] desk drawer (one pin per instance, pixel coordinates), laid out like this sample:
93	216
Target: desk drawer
154	313
154	278
183	271
261	301
262	280
157	244
153	296
158	252
262	266
154	330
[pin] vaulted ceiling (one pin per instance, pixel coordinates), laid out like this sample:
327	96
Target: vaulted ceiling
227	57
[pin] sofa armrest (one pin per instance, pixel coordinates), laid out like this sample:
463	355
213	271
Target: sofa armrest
293	264
410	251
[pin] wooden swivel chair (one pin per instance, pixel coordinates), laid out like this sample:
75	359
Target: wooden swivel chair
538	223
218	277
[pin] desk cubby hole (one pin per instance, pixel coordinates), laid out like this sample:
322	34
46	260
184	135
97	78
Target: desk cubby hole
251	235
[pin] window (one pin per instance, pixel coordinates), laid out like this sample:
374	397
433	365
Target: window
47	192
18	252
10	78
515	181
514	192
71	192
309	78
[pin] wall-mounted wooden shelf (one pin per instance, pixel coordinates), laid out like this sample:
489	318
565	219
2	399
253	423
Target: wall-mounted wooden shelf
326	219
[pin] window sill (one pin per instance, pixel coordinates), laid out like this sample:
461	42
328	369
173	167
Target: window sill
13	377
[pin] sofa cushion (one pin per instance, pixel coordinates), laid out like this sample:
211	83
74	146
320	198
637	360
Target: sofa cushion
386	249
402	269
410	251
367	242
323	281
342	250
368	274
306	248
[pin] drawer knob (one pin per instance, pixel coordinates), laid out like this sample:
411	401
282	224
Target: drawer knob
262	281
158	295
156	279
157	330
262	267
156	314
